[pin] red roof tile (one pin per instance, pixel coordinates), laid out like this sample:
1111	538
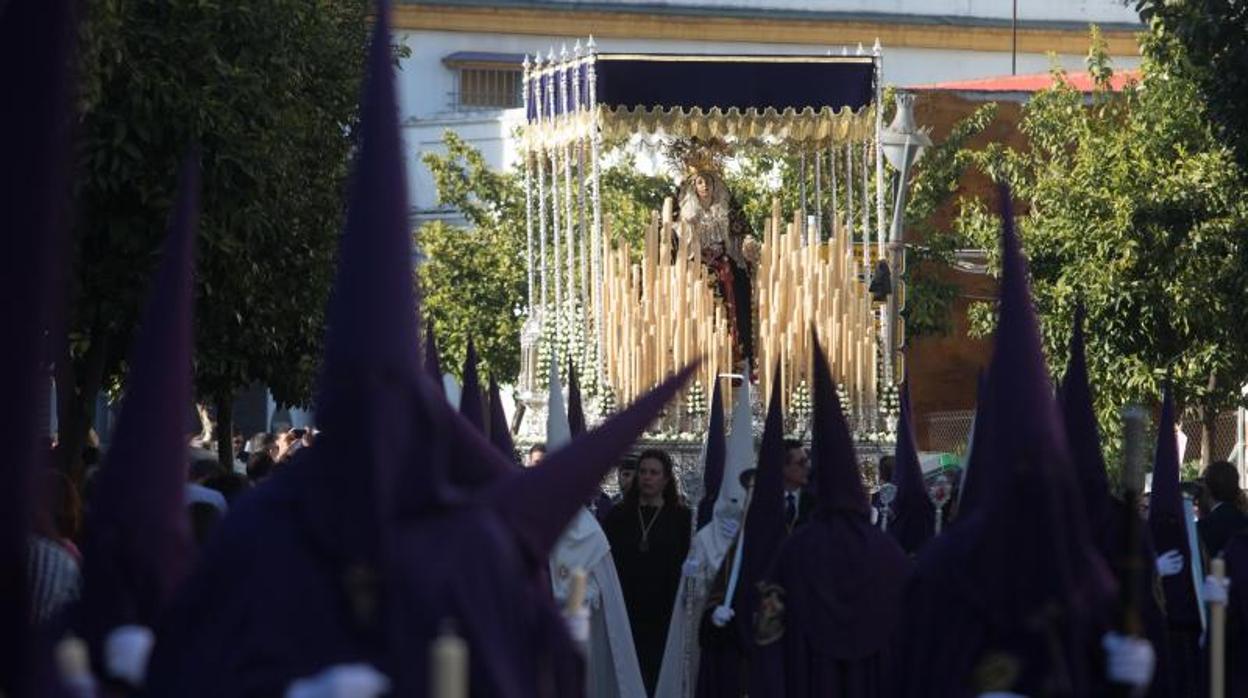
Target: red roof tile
1027	83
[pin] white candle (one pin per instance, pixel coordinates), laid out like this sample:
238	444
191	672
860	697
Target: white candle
449	663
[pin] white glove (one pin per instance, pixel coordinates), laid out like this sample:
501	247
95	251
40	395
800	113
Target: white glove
875	521
728	527
1215	590
1170	563
578	624
721	616
690	568
126	651
341	681
1129	660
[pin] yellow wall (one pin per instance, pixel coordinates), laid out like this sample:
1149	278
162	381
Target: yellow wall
783	30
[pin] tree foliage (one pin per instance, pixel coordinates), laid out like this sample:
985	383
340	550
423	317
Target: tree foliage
929	248
1133	207
473	279
268	92
1213	37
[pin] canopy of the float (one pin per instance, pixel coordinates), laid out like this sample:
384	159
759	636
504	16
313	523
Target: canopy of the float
810	101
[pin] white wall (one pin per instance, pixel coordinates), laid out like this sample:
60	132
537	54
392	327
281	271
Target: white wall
426	85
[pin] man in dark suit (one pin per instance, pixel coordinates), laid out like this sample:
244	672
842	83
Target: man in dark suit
1227	516
799	502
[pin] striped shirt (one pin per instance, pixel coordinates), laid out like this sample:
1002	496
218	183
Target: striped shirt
54	578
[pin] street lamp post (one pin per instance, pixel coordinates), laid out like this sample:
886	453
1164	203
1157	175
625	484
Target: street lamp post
904	143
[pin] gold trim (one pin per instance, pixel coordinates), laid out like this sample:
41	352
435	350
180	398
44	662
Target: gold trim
636	25
811	127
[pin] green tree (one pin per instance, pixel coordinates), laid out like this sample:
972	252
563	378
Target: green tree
929	247
1131	205
473	280
268	91
1213	37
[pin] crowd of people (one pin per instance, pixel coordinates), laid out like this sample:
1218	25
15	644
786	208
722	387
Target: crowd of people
404	550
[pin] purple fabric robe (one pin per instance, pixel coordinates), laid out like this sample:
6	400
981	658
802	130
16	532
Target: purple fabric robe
1013	597
831	605
914	514
1107	515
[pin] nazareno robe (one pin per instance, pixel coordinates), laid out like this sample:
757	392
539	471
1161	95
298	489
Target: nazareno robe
1236	555
828	612
649	578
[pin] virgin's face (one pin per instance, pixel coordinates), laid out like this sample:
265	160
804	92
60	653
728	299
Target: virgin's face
702	186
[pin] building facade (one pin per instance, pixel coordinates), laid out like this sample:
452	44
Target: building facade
464	66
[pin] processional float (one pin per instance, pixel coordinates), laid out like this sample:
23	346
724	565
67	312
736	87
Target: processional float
627	317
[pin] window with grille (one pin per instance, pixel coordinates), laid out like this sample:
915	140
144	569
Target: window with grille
484	87
487	80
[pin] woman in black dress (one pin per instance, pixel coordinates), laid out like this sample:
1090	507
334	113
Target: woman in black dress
649	535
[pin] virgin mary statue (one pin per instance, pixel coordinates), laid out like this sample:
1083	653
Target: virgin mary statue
708	211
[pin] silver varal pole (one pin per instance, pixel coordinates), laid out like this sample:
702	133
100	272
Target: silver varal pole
539	156
557	226
599	242
866	207
849	194
528	193
832	172
818	232
568	220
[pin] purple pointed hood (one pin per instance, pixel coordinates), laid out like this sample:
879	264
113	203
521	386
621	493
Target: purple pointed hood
539	502
36	49
380	443
1166	517
842	577
500	430
915	514
470	405
1031	512
1079	415
764	519
576	410
838	486
1166	499
715	452
978	463
138	543
433	360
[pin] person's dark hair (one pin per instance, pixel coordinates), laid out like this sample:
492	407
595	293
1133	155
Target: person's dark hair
670	494
885	468
230	485
790	444
1199	492
629	464
202	469
1222	479
259	466
537	448
59	513
204	518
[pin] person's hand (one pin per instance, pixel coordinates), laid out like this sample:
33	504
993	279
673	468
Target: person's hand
1215	590
721	616
751	250
578	624
1129	660
126	651
341	681
728	527
1170	563
690	568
